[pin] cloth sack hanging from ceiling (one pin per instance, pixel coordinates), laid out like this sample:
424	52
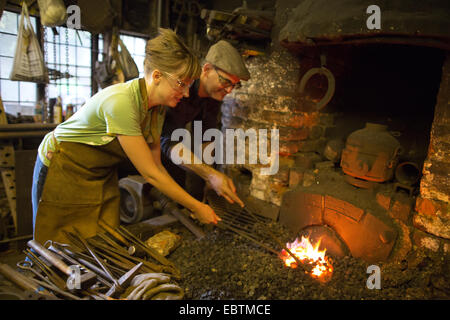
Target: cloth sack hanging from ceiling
53	12
96	16
105	72
109	71
127	64
28	62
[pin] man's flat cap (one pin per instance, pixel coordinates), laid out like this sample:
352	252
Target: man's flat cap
224	56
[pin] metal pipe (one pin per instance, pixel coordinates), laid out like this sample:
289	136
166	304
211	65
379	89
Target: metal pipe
22	134
17	278
50	256
27	127
159	14
17	238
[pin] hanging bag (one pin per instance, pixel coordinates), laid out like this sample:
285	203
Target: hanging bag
28	62
129	67
53	12
109	71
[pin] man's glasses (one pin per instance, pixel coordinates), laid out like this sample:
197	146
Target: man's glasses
179	84
226	83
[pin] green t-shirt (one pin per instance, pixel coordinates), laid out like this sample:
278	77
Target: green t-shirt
117	109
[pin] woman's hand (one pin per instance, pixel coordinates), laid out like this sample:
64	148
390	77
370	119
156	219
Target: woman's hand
205	214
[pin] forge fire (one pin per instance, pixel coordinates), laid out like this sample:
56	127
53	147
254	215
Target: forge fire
308	253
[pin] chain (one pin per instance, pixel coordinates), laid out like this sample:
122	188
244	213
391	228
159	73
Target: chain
54	54
44	102
67	60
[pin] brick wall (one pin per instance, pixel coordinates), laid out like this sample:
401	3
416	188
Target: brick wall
269	100
432	218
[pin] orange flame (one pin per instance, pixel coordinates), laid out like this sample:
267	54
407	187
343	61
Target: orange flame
306	252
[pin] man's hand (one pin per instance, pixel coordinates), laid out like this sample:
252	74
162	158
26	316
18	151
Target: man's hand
224	187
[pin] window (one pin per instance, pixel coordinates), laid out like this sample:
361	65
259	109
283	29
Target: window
67	55
17	96
136	47
68	58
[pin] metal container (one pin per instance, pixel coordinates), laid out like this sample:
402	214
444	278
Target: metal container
371	154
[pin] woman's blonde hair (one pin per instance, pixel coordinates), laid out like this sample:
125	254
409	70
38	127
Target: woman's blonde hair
167	53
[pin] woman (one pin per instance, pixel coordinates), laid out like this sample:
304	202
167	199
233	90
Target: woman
78	160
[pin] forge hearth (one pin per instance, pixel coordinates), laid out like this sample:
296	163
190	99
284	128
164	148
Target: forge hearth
347	219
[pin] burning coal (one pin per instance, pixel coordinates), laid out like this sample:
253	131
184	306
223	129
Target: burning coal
308	253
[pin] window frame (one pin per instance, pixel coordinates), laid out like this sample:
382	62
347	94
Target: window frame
96	47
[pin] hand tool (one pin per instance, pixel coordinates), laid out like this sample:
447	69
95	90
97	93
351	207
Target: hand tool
18	278
86	279
58	290
246	214
77	250
70	256
124	281
97	259
150	251
131	249
57	284
28	266
121	257
50	273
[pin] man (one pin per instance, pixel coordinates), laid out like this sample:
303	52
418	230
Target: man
222	71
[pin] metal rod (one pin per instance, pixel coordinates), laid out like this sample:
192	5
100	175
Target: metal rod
108	251
88	266
111	277
52	275
17	238
18	278
113	232
109	241
26	127
89	259
252	239
152	252
58	290
119	255
216	205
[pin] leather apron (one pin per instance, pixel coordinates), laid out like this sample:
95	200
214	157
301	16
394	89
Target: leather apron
82	186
